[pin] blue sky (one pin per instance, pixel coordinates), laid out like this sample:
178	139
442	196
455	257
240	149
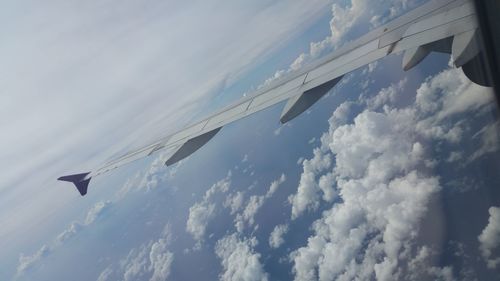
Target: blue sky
82	81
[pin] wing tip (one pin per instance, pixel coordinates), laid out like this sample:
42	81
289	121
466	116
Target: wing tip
81	181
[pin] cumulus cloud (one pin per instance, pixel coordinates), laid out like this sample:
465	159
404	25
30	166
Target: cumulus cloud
151	261
255	202
307	193
276	237
201	213
377	166
489	239
160	260
239	259
386	95
234	202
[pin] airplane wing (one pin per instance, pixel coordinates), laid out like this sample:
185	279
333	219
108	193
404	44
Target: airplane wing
447	26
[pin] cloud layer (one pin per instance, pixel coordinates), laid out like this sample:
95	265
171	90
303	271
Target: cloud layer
378	166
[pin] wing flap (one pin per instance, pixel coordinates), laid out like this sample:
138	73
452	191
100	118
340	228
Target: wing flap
300	103
190	146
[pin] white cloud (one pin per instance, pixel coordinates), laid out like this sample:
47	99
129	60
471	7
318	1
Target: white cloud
347	17
71	231
255	202
239	259
134	265
234	202
307	197
151	261
201	213
489	136
380	177
489	239
105	274
97	211
160	260
444	96
274	185
276	237
27	262
386	95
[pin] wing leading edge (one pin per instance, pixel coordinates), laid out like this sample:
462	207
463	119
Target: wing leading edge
447	26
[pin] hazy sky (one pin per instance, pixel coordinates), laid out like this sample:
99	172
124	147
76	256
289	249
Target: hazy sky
82	81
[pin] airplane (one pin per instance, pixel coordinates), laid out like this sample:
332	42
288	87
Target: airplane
445	26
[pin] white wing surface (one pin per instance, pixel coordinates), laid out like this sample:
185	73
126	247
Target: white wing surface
447	26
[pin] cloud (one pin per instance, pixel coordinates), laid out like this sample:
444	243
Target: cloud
98	210
27	262
377	166
255	202
239	260
489	239
489	136
134	265
105	274
160	260
234	201
115	69
387	95
307	192
348	18
201	213
71	231
276	237
151	261
274	185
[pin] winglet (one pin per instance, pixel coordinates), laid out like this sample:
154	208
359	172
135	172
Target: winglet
79	180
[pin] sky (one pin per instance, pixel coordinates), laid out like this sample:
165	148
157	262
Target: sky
123	73
83	82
